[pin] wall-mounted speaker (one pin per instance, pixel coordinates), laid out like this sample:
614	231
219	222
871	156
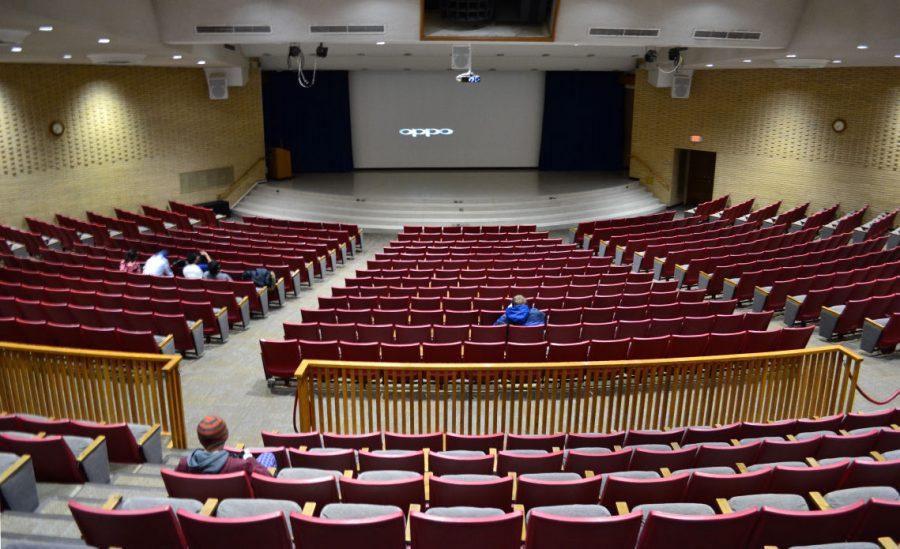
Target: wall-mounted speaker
218	85
681	86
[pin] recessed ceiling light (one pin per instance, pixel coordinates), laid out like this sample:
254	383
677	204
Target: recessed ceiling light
576	45
746	61
862	46
176	57
709	65
103	40
380	43
16	49
67	56
836	61
791	55
45	28
201	62
545	55
897	56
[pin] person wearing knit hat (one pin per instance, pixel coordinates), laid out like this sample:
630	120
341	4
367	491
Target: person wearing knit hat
213	458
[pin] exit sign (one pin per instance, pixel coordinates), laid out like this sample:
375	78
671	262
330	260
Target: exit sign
696	139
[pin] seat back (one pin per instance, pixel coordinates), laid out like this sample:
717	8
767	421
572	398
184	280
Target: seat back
401	493
483	493
640	491
538	493
500	532
120	443
788	528
280	358
52	459
384	532
141	529
202	487
321	490
698	532
707	487
267	530
546	531
508	462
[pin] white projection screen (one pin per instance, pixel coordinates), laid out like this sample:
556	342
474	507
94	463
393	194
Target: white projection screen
494	124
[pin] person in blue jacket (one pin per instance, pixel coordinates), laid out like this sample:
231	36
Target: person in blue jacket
520	314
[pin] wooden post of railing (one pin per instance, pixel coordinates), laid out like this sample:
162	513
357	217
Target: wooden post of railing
93	385
582	396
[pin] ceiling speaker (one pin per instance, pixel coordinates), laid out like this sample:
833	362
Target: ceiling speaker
681	86
218	85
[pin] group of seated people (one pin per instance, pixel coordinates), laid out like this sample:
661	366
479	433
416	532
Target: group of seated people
195	265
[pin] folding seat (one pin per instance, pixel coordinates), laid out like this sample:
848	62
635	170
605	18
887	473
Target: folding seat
750	429
319	489
493	492
55	295
341	332
725	344
479	443
632	300
413	334
385	530
302	330
55	312
879	517
782	528
434	442
362	352
399	291
442	352
540	491
458	292
757	321
187	335
29	309
215	322
561	333
720	306
361	441
9	329
604	301
173	307
337	302
712	455
860	420
99	338
652	460
564	316
832	446
133	303
608	286
401	352
449	333
390	316
458	318
548	303
267	529
317	315
793	338
694	325
64	335
393	302
525	334
664	326
160	292
152	527
488	334
567	352
687	345
528	462
371	489
662	298
667	310
137	342
632	328
632	313
392	460
483	352
457	303
871	473
642	491
203	486
579	303
608	349
139	290
598	330
663	529
546	530
598	314
761	341
526	352
535	442
321	350
774	450
728	324
425	303
437	530
380	333
353	316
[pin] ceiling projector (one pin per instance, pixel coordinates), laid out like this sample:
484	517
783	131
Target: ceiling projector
468	77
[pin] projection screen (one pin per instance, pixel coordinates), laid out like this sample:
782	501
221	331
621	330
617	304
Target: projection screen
428	120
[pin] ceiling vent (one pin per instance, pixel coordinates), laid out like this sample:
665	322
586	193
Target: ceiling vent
233	29
726	35
801	63
116	58
346	29
623	33
13	36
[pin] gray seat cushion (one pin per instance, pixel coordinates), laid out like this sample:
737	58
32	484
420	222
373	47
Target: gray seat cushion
7	459
552	477
812	434
137	503
33	544
460	454
470	478
722	470
829	461
787	502
464	512
247	507
893	454
352	511
710	444
849	496
326	450
572	511
841	545
18	434
759	466
864	430
304	473
628	474
699	509
592	450
386	476
653	447
391	453
77	444
757	439
526	452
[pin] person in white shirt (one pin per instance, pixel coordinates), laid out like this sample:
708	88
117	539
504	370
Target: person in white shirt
192	270
158	264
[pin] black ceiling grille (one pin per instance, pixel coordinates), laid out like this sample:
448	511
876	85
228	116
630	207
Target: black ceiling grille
727	35
628	33
233	29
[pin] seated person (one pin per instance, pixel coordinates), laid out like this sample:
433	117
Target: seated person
520	314
130	263
158	264
213	459
191	268
215	272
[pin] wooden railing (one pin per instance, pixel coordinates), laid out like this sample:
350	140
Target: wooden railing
242	183
354	397
93	385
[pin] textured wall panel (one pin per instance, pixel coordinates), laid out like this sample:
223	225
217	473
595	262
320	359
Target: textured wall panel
130	133
771	130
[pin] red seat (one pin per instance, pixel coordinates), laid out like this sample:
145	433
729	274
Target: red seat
418	333
401	352
598	330
370	441
488	334
450	333
292	440
707	487
99	338
390	316
879	517
441	464
535	442
433	532
728	324
52	459
698	325
380	333
597	314
483	352
410	460
665	326
687	345
632	328
526	334
420	317
565	316
526	352
361	352
341	331
698	532
849	445
568	352
178	327
302	330
652	460
728	456
322	490
757	321
725	344
793	338
321	350
280	358
352	316
317	315
400	441
141	529
761	341
383	532
789	528
203	486
481	443
648	347
610	349
267	530
495	493
458	318
64	335
510	461
336	460
401	493
442	352
548	531
562	333
137	342
635	491
801	480
540	493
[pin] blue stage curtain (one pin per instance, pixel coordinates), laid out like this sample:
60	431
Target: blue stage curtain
313	123
583	117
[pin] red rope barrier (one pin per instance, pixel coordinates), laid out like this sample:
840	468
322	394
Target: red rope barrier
874	401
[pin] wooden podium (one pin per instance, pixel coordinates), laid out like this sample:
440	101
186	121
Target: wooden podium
280	164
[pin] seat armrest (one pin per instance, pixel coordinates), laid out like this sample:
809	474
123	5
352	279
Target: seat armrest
209	507
724	506
90	448
112	502
150	432
521	508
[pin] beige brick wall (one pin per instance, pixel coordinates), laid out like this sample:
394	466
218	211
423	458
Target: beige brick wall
771	130
130	132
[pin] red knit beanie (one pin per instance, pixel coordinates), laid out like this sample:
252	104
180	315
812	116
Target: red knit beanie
212	432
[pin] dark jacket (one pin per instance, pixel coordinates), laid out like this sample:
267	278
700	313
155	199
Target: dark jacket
218	463
522	315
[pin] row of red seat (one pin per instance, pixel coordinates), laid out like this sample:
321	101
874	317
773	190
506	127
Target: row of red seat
67	237
807	307
290	352
54	460
882	334
205	215
741	209
800	279
626	247
153	224
506	267
766	212
602	236
847	318
236	233
80	336
353	229
99	234
850	221
588	227
789	217
497	287
649	249
821	217
448	278
126	228
882	224
468	229
710	207
556	332
32	241
177	220
676	227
